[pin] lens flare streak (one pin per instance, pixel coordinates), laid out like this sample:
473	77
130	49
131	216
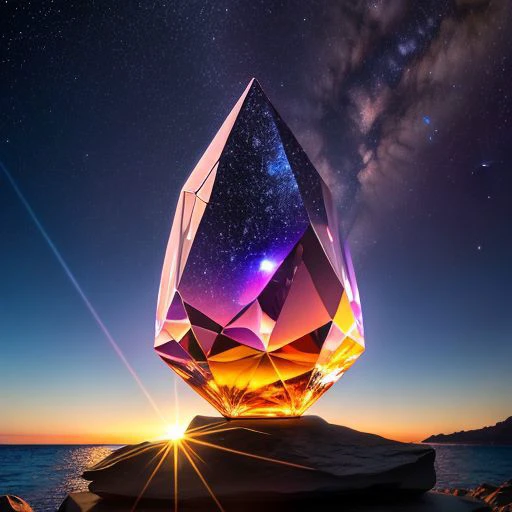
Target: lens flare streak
250	455
202	478
175	464
78	288
165	451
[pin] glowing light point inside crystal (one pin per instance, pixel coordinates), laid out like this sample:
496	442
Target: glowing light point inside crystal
267	266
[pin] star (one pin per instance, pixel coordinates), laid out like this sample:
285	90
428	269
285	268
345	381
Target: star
267	265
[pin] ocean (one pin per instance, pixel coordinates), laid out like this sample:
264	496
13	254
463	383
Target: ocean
43	475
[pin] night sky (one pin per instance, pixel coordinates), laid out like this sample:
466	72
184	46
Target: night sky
404	107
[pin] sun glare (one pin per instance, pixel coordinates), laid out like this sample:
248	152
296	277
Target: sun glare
175	432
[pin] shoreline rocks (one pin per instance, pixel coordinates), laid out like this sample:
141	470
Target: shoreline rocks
11	503
498	497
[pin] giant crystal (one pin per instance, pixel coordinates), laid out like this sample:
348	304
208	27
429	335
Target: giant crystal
258	308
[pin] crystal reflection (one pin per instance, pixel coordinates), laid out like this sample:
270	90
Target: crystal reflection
253	219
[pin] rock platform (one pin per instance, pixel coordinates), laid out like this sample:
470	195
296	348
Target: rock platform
268	464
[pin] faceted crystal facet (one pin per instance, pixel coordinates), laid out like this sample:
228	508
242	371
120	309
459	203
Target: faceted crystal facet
258	308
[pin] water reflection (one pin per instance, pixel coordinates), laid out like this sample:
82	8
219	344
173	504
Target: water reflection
44	475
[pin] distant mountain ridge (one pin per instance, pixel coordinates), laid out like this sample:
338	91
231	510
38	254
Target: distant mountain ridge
500	434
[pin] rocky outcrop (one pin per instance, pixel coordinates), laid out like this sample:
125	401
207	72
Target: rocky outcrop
266	462
497	497
10	503
499	434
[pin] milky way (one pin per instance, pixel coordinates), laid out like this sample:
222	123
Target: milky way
387	84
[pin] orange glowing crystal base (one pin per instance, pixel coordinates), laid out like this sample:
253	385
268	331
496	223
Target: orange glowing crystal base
258	308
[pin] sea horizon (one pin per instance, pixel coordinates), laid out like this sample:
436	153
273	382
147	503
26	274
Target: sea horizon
119	445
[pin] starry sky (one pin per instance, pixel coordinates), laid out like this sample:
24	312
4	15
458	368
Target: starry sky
404	107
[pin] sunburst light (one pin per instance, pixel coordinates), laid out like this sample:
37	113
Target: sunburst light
182	443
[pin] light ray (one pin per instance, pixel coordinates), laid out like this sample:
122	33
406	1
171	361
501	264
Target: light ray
175	461
250	455
176	401
166	450
78	288
202	478
194	453
135	452
205	427
216	431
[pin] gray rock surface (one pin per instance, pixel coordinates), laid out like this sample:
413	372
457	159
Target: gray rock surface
498	497
429	502
310	459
